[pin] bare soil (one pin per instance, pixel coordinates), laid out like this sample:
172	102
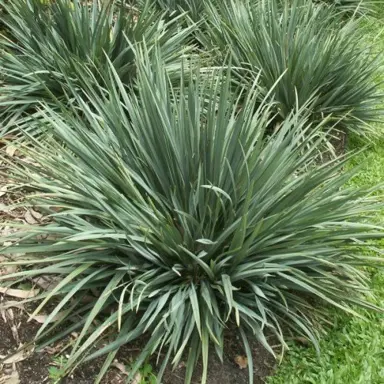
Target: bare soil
16	330
229	372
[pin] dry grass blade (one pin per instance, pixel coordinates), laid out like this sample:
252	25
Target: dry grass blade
11	377
43	318
21	355
20	293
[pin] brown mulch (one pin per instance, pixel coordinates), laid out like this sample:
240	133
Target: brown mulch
35	368
15	330
229	372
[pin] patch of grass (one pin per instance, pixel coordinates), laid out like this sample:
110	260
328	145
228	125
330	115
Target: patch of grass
352	351
146	375
55	369
69	37
300	51
354	7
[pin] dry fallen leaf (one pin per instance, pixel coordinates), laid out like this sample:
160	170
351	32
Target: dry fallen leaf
10	378
37	215
121	367
29	218
43	318
241	361
56	348
3	190
10	313
5	208
3	314
6	139
20	293
6	269
11	150
137	378
11	304
11	317
46	281
18	356
7	230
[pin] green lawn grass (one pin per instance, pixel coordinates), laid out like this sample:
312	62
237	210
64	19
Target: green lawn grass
352	351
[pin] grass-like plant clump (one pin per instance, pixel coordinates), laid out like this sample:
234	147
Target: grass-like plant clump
182	200
193	8
351	350
303	49
186	219
45	44
354	7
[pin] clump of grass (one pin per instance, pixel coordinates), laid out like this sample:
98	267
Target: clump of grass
47	43
186	219
354	8
193	8
303	51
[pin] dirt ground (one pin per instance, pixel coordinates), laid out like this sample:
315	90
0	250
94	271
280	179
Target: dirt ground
34	368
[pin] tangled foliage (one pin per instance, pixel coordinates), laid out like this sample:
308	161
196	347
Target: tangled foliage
47	43
302	50
187	219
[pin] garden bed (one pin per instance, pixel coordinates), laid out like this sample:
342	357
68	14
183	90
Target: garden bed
166	215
